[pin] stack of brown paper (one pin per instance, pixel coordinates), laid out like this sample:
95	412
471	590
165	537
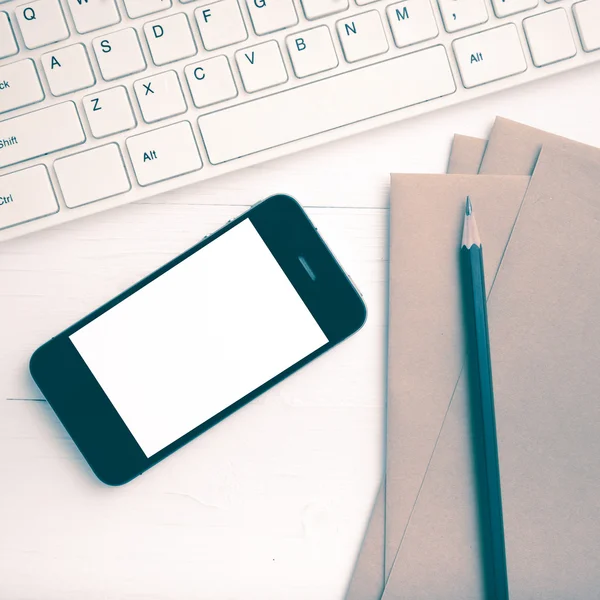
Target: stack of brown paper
466	155
542	239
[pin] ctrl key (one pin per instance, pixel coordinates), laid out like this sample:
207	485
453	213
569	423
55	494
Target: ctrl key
26	195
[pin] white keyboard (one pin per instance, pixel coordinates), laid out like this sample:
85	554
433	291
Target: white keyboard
104	102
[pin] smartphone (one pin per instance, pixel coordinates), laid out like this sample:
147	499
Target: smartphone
194	341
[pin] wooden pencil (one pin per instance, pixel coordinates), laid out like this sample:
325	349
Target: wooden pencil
482	409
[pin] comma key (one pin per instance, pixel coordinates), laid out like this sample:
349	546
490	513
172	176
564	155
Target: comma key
164	153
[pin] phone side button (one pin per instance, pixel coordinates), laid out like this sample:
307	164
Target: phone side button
164	153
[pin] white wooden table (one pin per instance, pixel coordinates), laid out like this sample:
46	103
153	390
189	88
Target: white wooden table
272	503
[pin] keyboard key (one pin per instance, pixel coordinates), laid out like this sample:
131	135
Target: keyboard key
92	175
164	153
160	96
312	51
170	39
19	85
489	55
93	15
271	15
40	132
68	70
109	112
364	2
211	81
8	44
314	9
26	195
362	36
549	37
504	8
41	22
385	87
587	16
460	14
412	21
119	54
140	8
261	66
220	24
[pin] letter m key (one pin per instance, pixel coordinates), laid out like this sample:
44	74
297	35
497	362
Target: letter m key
402	14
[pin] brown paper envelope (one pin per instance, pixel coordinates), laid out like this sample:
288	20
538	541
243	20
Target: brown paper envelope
440	557
368	576
367	580
545	337
466	155
551	497
513	148
426	349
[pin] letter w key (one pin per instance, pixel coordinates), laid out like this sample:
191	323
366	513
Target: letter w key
90	15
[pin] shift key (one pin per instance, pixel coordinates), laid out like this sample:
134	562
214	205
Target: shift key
40	132
26	195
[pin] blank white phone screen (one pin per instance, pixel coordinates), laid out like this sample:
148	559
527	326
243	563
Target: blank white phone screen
197	339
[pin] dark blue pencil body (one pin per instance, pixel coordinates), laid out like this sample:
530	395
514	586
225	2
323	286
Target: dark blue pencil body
485	443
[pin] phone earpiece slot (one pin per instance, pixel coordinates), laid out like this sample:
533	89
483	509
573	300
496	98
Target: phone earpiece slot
307	268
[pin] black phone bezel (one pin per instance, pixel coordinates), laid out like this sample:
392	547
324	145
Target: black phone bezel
90	417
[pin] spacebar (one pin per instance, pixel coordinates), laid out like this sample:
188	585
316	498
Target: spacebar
327	104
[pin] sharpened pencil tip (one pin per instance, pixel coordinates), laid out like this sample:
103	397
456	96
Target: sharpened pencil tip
470	232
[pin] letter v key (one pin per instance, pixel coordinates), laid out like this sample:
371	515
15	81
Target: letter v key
261	66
